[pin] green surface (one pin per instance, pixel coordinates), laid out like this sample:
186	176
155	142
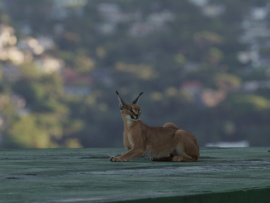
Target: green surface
87	175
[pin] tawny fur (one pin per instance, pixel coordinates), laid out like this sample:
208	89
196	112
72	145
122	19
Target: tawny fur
167	143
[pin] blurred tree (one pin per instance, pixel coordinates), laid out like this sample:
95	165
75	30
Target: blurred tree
25	132
160	47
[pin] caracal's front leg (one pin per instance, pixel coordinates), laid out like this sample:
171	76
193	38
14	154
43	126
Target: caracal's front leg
132	153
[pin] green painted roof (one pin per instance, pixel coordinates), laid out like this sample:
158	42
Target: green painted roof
87	175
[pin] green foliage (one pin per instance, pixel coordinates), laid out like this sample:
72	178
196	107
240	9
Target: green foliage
163	59
25	132
251	102
227	81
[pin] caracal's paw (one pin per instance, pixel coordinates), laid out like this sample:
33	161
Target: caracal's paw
116	159
177	159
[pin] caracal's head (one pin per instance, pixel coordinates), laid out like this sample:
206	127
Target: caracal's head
130	111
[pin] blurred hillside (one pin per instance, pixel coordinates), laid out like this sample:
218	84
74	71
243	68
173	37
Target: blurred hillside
202	64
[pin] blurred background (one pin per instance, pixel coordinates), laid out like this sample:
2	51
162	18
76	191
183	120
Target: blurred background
203	64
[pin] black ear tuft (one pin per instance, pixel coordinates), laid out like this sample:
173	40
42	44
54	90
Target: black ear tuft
136	100
121	101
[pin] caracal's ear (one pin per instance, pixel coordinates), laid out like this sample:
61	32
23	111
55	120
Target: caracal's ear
136	100
121	101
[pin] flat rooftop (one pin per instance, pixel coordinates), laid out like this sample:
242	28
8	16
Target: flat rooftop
87	175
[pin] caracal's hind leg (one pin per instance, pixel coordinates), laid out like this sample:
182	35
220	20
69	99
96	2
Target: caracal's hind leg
170	125
187	148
